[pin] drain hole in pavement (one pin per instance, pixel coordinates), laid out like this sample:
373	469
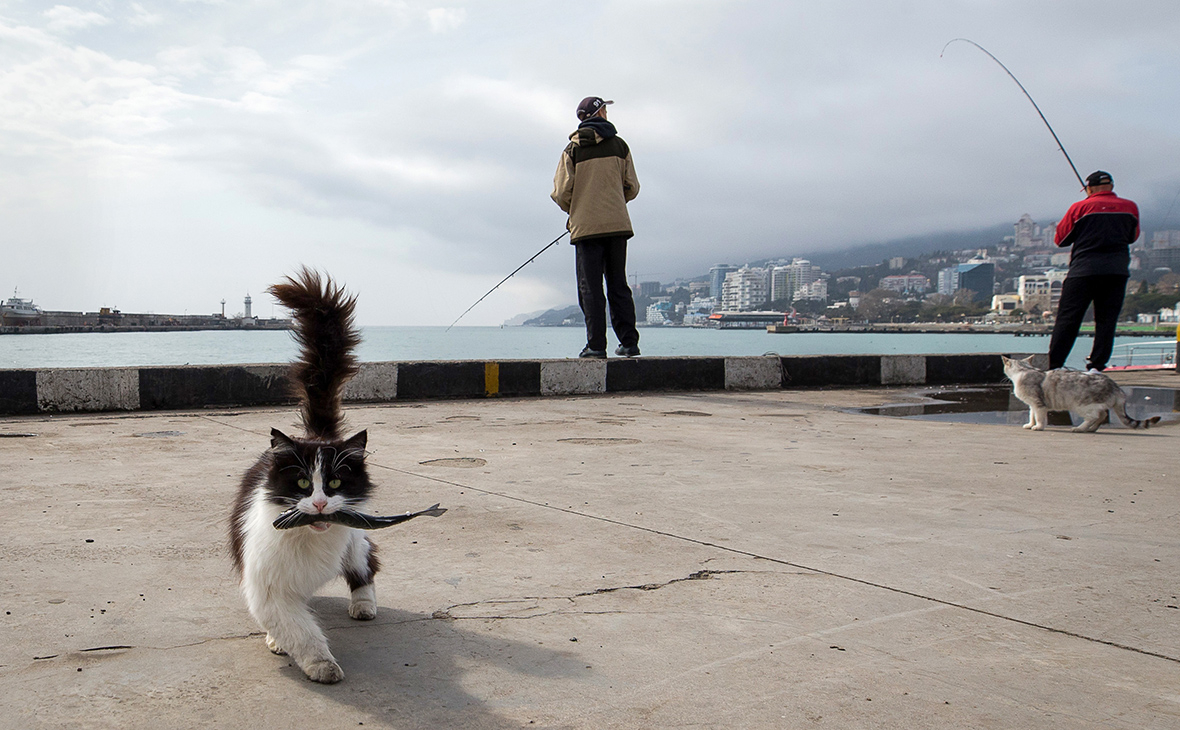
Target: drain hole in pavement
463	462
599	441
997	405
686	413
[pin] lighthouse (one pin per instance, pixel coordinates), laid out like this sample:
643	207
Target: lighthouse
247	302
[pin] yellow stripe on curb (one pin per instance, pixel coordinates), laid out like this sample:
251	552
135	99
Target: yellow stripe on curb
491	378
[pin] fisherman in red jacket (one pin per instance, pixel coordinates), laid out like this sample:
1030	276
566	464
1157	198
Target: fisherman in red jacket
1100	229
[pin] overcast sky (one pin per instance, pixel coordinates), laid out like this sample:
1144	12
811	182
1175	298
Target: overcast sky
162	156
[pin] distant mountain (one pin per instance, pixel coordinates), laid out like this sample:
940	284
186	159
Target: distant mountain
874	253
520	319
558	317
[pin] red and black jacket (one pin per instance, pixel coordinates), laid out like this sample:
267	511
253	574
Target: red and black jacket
1101	229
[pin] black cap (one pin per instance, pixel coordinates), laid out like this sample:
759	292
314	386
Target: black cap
590	106
1095	179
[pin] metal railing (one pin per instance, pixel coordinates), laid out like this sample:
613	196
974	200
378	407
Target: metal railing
1158	354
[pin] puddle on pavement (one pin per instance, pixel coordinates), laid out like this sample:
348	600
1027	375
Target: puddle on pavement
997	405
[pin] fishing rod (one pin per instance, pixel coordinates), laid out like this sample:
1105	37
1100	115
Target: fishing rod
1169	213
506	278
1013	76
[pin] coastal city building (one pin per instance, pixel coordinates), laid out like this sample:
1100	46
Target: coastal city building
816	291
649	288
1040	293
802	272
912	282
1026	231
1164	252
657	312
717	276
780	283
976	276
1005	303
744	290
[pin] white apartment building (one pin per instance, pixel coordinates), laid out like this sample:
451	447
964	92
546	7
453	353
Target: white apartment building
1026	231
1040	291
912	281
780	283
802	273
816	291
657	312
744	290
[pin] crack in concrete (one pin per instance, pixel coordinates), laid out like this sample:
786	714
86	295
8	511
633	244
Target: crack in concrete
699	575
531	605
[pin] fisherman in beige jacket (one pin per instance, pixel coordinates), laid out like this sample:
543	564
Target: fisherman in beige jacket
595	179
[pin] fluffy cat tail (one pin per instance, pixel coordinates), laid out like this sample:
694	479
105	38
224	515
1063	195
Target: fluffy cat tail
1120	410
327	336
1129	422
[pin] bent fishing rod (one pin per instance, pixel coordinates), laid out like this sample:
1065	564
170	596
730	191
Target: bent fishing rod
1042	114
506	278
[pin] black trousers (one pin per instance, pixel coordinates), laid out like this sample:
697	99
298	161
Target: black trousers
1106	292
599	259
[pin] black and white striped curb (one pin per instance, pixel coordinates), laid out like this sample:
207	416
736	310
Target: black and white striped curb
58	390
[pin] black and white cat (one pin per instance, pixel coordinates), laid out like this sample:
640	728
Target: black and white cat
1089	394
318	472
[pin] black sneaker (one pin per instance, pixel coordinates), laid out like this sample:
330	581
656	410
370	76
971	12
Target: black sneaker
627	351
587	352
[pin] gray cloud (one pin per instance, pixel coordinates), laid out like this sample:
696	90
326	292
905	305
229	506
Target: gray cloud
200	149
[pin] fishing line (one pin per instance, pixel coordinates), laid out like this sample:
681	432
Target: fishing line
506	278
1042	114
1168	215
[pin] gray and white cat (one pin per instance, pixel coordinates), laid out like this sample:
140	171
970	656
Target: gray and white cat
1089	394
318	472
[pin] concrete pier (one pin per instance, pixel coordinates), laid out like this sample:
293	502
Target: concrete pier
713	558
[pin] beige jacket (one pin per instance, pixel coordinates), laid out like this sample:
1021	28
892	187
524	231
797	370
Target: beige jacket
595	179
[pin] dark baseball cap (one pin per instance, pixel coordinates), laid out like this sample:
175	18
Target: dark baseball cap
590	105
1097	178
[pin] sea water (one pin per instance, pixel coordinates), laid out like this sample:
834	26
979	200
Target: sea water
380	344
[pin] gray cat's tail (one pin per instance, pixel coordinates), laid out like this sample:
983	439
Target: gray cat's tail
1121	412
328	337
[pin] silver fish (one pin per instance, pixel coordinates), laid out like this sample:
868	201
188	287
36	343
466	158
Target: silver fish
295	517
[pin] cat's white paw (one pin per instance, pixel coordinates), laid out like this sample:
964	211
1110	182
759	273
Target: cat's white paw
1027	425
274	646
324	672
1038	427
362	610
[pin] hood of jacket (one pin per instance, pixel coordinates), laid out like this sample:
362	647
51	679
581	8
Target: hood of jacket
593	131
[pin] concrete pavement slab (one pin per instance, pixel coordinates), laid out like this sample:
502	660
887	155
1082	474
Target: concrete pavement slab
728	559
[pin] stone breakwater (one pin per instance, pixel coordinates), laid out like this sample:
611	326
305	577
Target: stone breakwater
64	390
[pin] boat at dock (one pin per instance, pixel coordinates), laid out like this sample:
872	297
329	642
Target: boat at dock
17	310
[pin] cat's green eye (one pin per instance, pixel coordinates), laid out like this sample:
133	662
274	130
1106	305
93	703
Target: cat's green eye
304	483
334	484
